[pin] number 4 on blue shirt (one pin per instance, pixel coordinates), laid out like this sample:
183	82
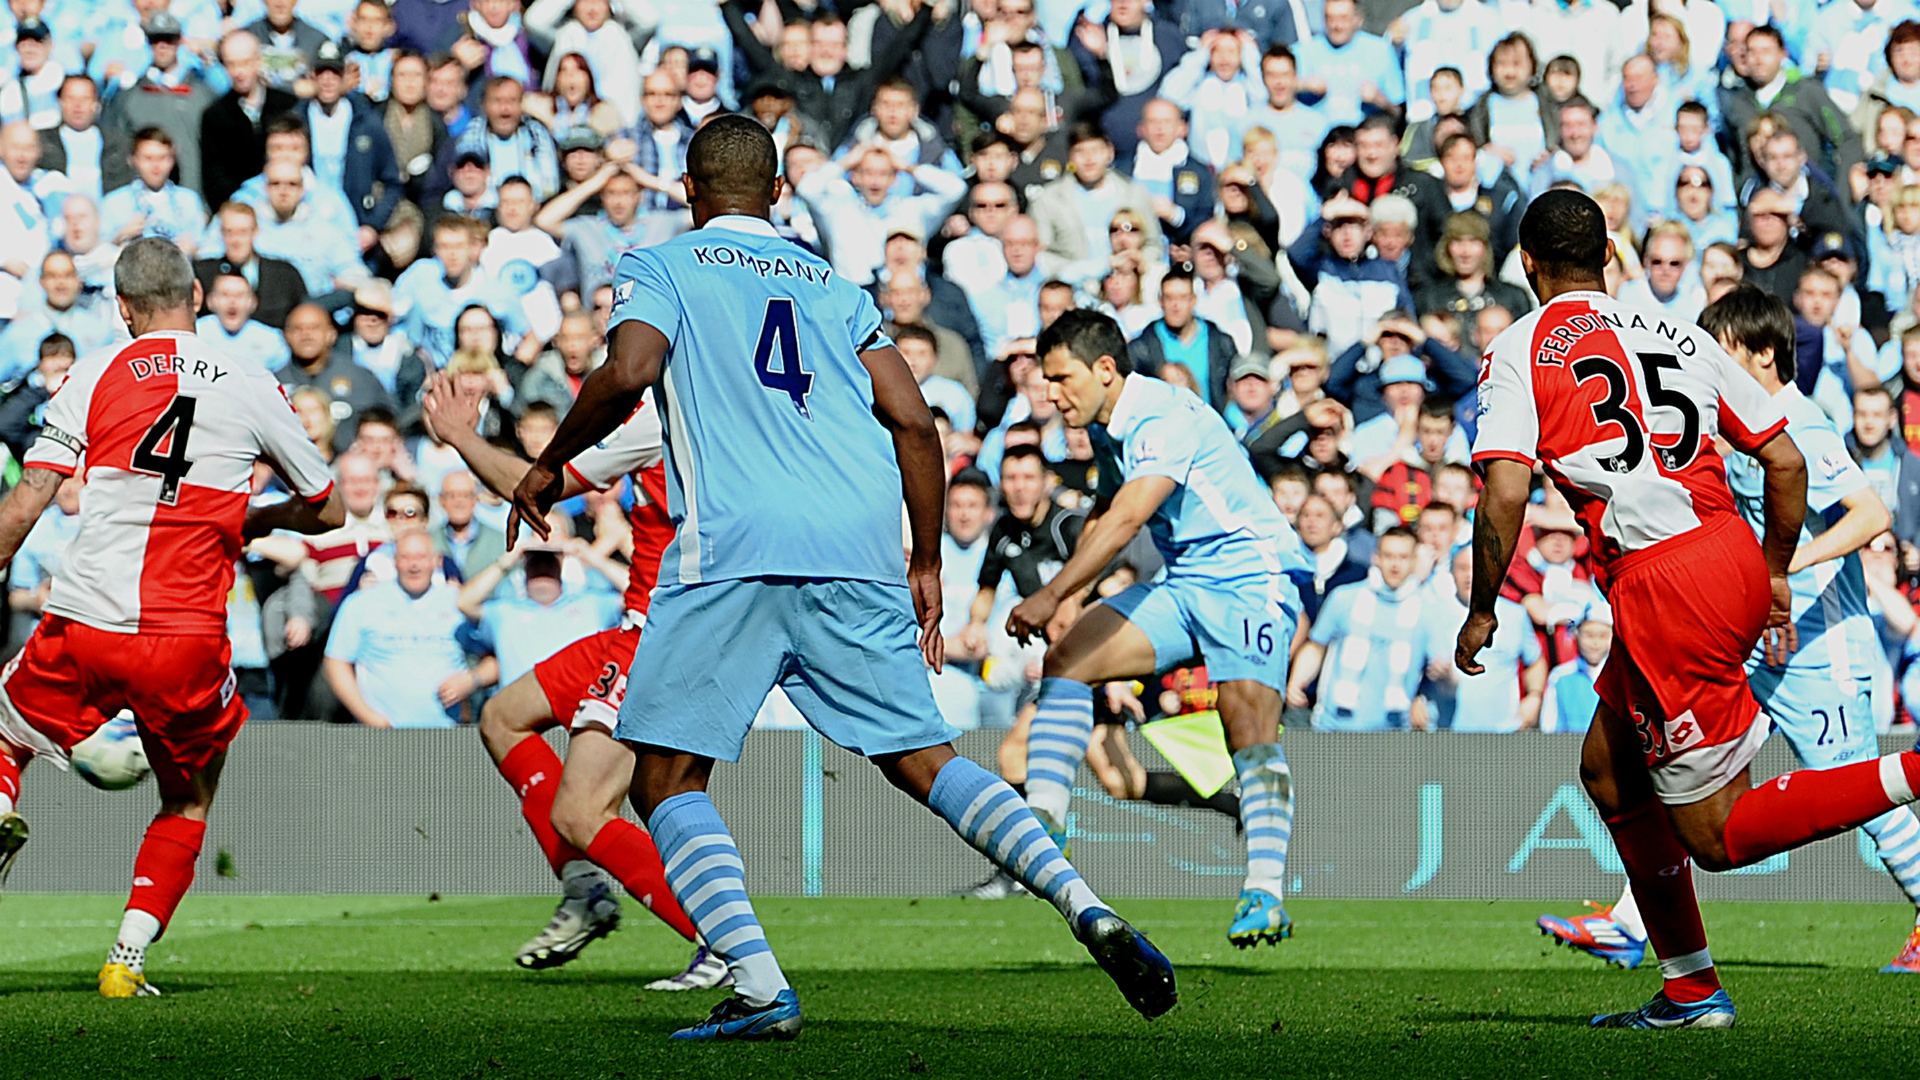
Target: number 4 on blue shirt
778	331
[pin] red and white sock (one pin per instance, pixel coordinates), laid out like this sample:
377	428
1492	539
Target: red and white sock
1661	875
1809	804
162	873
534	771
9	778
628	854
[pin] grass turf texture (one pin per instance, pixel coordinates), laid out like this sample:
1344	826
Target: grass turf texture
318	987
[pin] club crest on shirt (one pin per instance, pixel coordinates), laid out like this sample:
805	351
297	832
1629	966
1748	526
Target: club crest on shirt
1834	463
1149	450
1187	182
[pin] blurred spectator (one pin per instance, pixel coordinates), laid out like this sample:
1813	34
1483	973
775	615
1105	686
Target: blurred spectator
65	307
1346	284
416	132
831	95
1179	336
556	377
1891	469
471	544
349	146
590	244
1359	376
963	548
919	346
1507	696
392	660
317	360
233	130
26	397
230	326
277	285
1822	128
1180	185
1370	646
522	629
1074	212
433	292
93	159
1465	262
153	205
315	410
379	348
509	141
288	44
974	261
1571	696
296	230
166	94
904	299
592	68
1671	283
660	151
858	197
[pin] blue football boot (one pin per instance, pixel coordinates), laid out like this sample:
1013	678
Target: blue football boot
734	1018
1259	917
1143	974
1713	1011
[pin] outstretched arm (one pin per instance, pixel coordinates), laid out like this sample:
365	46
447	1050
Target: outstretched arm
1105	533
455	418
1496	531
903	411
607	398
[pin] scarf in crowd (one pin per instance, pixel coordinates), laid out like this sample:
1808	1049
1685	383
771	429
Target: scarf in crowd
1356	647
507	58
1139	75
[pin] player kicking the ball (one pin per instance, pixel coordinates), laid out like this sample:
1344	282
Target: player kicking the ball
1167	462
1820	700
793	429
1620	406
165	431
574	811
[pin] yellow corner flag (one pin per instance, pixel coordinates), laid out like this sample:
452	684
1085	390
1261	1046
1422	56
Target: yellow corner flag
1196	745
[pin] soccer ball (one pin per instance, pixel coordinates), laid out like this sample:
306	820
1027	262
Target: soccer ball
112	758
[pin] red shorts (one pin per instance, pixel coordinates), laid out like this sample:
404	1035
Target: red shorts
71	678
586	681
1686	615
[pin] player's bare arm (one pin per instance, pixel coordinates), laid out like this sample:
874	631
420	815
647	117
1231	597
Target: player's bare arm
1496	532
901	408
1866	517
1105	533
455	418
22	507
607	398
296	515
1786	511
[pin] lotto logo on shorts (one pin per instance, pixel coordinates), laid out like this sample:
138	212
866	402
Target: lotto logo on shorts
1683	733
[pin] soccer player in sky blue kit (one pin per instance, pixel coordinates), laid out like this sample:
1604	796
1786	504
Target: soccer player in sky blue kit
1820	700
793	429
1230	595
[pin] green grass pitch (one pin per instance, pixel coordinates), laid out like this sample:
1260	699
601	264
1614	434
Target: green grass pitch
357	987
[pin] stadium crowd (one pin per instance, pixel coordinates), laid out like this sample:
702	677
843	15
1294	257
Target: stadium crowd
1304	211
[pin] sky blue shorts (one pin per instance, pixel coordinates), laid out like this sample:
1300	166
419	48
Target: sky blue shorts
1827	721
1241	627
845	652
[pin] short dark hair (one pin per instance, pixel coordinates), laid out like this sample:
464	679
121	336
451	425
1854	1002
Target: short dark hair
1450	72
1907	32
1565	231
1379	122
973	478
57	344
899	84
733	155
1512	41
286	124
1769	31
1879	391
910	332
1437	407
1694	108
1279	52
1753	319
154	134
1084	132
1087	336
544	409
1290	471
516	178
1021	453
1054	283
1403	532
379	414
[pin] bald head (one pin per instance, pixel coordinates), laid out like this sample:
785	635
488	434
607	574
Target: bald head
20	148
1020	244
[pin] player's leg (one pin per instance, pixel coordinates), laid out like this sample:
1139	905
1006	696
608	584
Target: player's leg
163	868
1112	760
1613	932
511	724
1012	754
13	827
587	813
710	655
987	814
703	868
1103	645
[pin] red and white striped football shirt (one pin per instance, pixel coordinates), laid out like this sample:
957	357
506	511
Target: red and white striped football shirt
635	449
167	430
1620	405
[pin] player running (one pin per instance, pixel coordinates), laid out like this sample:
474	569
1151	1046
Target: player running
1167	462
793	429
574	811
1820	700
1619	406
169	430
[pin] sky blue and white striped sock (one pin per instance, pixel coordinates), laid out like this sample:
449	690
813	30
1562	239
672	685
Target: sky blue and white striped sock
989	815
1056	745
703	866
1266	809
1896	834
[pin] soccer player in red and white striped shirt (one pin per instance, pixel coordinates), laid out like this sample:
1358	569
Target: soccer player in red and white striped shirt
574	810
1620	406
165	431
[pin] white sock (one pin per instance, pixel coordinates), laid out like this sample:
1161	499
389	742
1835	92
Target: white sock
137	931
1626	912
578	878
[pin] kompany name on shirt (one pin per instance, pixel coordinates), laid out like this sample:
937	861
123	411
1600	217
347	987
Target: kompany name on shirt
1562	339
721	255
